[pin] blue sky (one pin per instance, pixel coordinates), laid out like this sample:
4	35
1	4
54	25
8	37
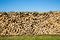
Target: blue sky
29	5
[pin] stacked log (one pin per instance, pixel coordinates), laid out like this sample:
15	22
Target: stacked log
29	23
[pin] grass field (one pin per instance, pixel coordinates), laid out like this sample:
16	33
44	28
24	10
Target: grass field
44	37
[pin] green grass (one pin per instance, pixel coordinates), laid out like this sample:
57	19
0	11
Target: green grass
44	37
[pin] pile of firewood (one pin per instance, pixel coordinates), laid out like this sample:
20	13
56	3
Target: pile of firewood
29	23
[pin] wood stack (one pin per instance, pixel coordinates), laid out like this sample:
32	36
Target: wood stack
29	23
